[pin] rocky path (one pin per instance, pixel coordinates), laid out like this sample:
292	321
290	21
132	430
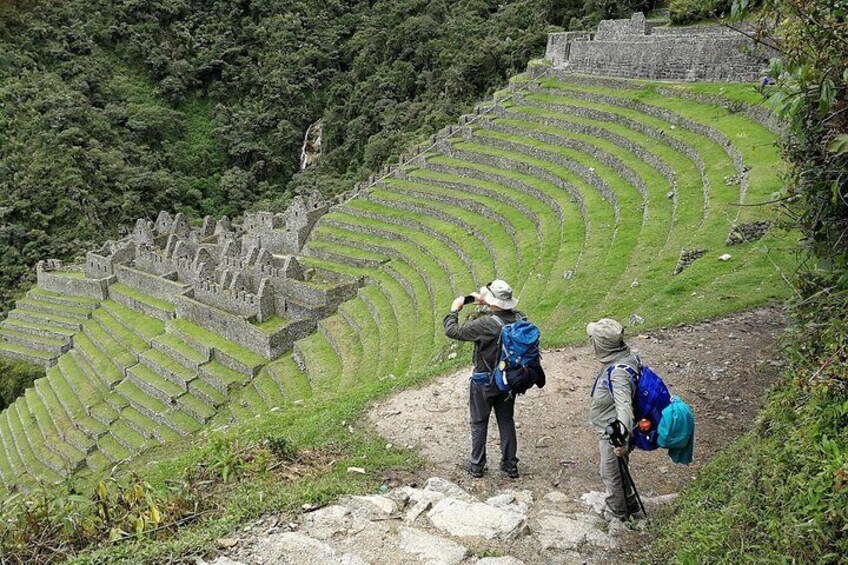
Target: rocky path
549	515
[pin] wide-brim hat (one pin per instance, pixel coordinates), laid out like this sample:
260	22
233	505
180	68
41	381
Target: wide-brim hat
606	330
498	293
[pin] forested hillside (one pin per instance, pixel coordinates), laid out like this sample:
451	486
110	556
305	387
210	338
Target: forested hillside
112	110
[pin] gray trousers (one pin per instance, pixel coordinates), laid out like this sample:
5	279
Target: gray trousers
619	504
482	399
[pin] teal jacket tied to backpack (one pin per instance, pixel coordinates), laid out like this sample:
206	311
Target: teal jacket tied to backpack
676	431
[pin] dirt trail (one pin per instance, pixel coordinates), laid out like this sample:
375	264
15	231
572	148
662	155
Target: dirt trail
722	368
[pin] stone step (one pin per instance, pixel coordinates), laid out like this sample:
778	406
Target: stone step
112	450
141	303
226	352
155	385
38	293
64	424
37	317
195	407
52	308
207	392
143	326
127	338
42	330
42	463
166	367
142	424
96	461
181	351
50	441
108	346
27	354
222	377
155	409
130	439
53	346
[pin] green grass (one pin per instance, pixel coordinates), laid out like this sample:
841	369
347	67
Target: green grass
477	222
145	326
272	324
211	339
151	301
36	353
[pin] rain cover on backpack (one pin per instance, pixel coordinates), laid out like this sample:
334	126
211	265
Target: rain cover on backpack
519	367
651	397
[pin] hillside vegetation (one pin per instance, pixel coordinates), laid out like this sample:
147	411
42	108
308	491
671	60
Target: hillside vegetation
569	181
110	111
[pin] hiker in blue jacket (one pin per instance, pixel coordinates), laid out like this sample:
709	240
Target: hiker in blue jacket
484	396
612	399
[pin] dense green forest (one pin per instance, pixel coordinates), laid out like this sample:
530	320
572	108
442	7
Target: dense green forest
113	110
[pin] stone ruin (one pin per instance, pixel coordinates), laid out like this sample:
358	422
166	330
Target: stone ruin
224	277
638	48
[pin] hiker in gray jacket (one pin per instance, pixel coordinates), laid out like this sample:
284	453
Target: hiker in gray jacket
612	399
484	395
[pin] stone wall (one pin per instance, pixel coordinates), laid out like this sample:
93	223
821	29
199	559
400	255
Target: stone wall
632	49
50	276
242	332
158	287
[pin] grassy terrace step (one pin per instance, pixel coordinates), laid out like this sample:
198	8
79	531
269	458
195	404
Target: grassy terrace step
523	230
322	364
143	326
74	409
14	351
104	413
129	438
84	391
383	319
199	335
96	461
64	310
50	345
47	330
37	317
51	442
414	300
359	319
346	343
196	407
268	389
112	450
153	384
437	276
657	232
11	460
180	350
207	392
109	347
167	368
498	250
425	234
129	339
142	424
32	464
292	382
222	377
347	254
177	420
77	301
155	303
561	253
64	424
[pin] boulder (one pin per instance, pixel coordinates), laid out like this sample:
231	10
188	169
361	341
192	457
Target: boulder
429	548
474	519
570	531
449	489
328	522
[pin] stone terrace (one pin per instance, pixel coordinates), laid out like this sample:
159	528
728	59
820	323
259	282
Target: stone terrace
554	185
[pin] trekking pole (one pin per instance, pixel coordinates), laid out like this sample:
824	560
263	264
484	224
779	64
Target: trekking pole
624	468
618	438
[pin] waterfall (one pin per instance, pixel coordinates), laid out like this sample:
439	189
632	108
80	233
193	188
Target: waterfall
310	152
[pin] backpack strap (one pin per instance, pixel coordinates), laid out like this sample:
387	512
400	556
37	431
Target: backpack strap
634	377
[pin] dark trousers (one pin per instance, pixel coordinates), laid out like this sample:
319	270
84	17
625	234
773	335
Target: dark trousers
482	399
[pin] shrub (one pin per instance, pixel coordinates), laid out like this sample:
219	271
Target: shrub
15	378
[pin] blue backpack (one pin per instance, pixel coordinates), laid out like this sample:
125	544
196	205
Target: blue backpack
520	363
650	398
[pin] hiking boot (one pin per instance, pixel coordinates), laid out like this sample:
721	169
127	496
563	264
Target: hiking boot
474	472
511	472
